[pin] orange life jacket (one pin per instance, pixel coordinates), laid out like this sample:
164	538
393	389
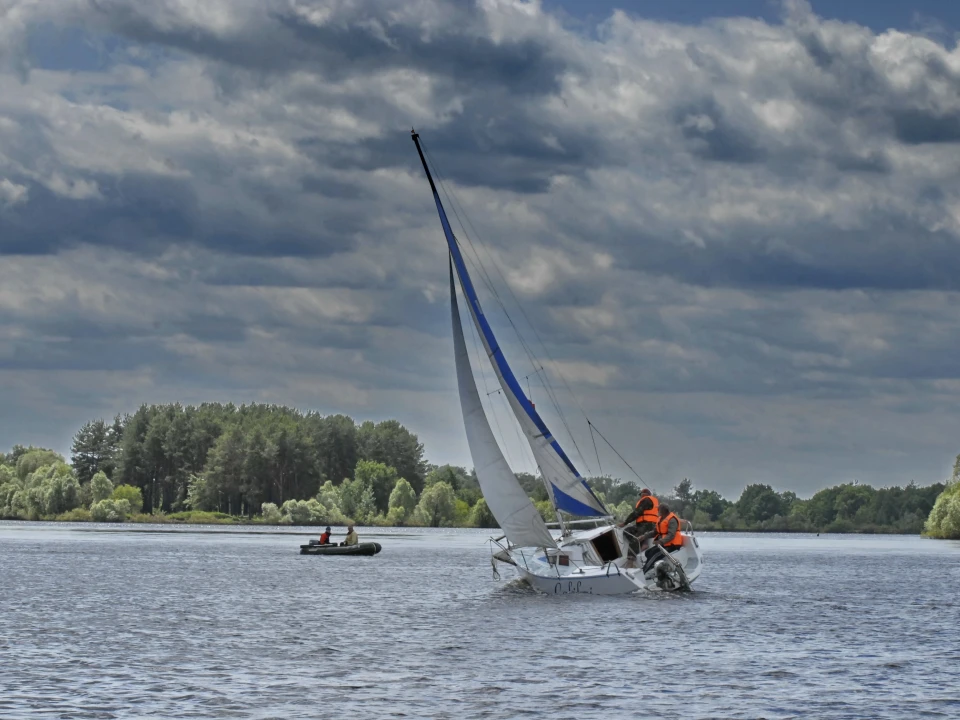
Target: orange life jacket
649	516
324	538
663	529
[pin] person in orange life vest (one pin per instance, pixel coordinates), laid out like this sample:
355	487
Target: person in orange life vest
325	536
667	536
642	520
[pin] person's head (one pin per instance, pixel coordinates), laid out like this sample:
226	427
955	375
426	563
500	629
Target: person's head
349	528
327	530
664	509
644	492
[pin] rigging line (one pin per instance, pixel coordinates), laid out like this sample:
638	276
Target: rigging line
454	201
551	393
526	453
478	263
531	356
592	437
618	453
481	269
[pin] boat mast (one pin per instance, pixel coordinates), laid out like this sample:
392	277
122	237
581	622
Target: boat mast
416	141
568	489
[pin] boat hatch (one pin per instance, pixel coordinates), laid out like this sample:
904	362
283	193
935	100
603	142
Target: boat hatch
607	546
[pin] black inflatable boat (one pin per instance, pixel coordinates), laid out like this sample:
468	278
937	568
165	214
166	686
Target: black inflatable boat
315	548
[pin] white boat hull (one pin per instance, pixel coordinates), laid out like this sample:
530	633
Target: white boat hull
578	568
589	582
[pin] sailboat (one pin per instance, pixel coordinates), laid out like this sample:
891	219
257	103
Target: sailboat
593	560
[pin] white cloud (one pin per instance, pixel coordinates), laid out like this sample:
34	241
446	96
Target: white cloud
11	193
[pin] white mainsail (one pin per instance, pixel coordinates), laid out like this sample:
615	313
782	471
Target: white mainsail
507	500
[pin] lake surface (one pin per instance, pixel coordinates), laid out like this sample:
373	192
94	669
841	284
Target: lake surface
137	621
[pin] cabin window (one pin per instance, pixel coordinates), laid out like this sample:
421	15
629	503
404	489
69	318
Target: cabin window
559	559
607	546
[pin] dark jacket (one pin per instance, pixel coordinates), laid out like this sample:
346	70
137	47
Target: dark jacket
645	504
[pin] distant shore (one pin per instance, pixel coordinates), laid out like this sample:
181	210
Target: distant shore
214	518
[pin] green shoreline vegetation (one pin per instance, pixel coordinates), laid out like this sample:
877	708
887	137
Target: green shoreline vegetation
264	464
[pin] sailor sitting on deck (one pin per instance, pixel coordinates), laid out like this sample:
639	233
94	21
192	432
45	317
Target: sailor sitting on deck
666	534
325	536
351	538
646	515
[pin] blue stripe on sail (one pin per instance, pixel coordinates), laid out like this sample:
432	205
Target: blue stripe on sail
594	496
498	356
572	505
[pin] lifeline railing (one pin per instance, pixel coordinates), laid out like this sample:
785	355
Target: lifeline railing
595	522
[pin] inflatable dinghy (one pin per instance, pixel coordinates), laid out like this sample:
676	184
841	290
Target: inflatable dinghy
315	548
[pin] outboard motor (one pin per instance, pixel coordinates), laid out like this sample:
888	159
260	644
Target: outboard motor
667	576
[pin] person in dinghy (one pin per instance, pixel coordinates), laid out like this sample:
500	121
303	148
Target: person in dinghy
666	535
351	538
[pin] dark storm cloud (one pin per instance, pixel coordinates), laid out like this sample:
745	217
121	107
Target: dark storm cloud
460	52
874	258
918	126
88	353
500	137
146	213
501	144
275	38
139	213
714	137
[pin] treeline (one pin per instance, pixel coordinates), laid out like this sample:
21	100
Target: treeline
845	508
217	462
235	458
36	483
851	507
944	519
265	463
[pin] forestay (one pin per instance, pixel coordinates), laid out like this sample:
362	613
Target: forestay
568	490
507	500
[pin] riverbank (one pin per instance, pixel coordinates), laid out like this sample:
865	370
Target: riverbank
215	518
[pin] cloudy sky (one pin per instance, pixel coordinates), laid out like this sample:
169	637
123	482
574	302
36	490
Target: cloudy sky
734	224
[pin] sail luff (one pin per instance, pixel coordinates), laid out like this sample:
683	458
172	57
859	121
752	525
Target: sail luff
516	514
573	494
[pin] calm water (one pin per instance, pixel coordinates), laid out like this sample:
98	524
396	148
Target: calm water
116	622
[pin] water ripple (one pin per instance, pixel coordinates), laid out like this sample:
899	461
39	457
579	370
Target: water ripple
117	623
